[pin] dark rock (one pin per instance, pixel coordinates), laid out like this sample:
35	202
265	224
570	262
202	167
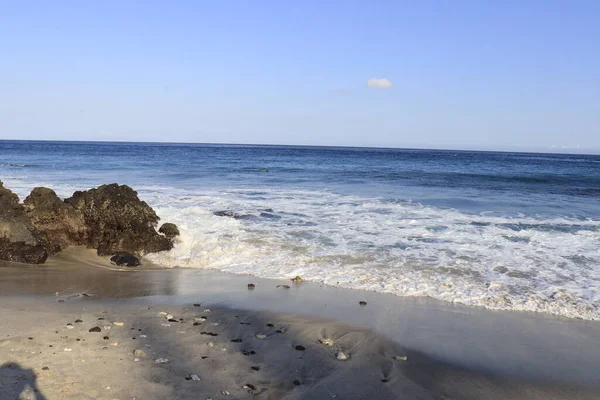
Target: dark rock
45	368
248	353
169	230
118	221
297	382
62	224
251	286
96	329
255	367
300	348
362	303
230	214
236	340
22	252
125	259
78	321
19	240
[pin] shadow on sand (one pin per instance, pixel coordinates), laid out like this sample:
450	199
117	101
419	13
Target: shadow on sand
18	383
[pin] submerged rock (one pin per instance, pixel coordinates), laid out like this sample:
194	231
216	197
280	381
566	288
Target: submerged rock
297	280
169	230
230	214
124	259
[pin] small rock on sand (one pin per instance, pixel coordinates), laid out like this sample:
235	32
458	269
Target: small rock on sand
300	348
161	360
297	280
139	353
118	323
96	329
326	342
341	356
400	358
261	336
362	303
192	377
251	286
283	286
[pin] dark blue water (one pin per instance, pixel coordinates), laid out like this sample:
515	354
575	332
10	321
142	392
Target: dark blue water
503	230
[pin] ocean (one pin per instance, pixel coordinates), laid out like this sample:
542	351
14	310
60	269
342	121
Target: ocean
510	231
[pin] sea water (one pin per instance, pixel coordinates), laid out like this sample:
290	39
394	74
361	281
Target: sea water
512	231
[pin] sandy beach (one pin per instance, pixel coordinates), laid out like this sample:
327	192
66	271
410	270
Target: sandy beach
70	330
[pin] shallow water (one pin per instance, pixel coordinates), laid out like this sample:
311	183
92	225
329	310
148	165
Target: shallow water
499	230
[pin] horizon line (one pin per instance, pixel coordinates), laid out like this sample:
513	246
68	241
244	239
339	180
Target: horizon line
578	151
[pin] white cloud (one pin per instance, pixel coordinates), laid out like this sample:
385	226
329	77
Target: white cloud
379	83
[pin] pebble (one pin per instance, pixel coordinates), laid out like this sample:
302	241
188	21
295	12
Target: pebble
67	349
161	360
169	316
197	304
162	313
136	359
326	342
118	323
200	319
249	386
300	348
207	310
341	356
70	326
297	280
236	340
166	324
225	393
255	367
143	336
78	321
192	377
139	353
400	358
45	368
210	344
362	303
107	327
96	329
248	353
261	336
251	286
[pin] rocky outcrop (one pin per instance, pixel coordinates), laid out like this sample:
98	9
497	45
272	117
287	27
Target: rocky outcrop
110	218
62	224
118	221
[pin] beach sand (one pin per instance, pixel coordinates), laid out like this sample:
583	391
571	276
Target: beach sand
411	348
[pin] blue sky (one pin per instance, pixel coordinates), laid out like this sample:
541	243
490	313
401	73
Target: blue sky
465	74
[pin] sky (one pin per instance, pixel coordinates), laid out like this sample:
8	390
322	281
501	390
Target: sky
481	74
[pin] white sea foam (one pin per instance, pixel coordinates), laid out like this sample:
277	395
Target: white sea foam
540	264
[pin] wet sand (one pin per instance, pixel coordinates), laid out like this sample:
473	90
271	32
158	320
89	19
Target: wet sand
451	351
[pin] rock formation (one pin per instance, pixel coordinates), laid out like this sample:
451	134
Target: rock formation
110	218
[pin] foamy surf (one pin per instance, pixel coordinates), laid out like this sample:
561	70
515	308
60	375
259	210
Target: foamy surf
404	248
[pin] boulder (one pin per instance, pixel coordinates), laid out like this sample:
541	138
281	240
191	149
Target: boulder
19	240
169	230
125	260
62	224
118	221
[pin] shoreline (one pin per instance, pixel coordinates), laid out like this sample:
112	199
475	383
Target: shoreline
545	351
